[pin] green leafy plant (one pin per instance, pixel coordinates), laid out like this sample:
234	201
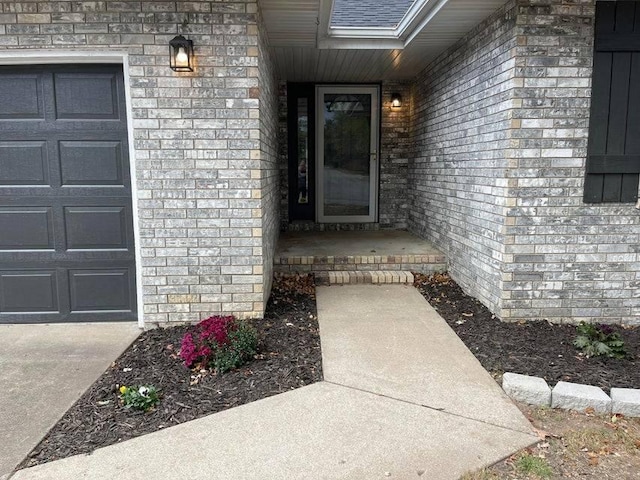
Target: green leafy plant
143	397
219	343
597	340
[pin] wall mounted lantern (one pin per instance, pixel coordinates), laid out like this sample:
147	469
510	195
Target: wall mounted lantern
181	54
396	100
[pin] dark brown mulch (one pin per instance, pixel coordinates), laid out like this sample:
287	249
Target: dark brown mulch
536	348
289	357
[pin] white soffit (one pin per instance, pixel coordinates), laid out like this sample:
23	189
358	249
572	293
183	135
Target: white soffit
293	30
291	23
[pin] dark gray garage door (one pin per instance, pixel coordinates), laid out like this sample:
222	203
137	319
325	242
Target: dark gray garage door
66	228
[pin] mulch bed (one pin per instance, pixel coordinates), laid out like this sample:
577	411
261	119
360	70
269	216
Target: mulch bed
289	357
536	348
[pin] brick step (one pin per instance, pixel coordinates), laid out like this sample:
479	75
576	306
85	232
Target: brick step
428	263
361	277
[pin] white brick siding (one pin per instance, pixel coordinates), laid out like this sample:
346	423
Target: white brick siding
500	129
203	151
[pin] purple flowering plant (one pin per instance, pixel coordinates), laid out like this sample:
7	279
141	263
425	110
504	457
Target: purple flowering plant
220	343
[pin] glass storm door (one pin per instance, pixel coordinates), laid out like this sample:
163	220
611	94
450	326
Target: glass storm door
347	153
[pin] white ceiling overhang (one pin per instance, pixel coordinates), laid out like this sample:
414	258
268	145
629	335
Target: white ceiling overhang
308	49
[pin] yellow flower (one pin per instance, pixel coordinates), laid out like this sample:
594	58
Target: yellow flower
123	390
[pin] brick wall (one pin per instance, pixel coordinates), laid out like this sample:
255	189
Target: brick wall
565	260
461	120
269	161
501	125
199	142
395	143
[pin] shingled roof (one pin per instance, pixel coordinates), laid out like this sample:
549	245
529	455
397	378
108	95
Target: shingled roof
369	13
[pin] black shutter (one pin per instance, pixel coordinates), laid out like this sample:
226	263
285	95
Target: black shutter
613	160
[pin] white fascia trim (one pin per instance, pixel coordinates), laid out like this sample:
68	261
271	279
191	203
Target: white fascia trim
42	57
412	23
360	43
61	57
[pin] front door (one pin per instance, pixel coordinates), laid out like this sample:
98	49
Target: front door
347	153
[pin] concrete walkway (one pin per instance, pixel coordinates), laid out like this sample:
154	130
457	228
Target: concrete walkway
402	398
44	369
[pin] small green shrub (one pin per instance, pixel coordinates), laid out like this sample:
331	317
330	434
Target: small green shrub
141	398
241	348
219	343
597	340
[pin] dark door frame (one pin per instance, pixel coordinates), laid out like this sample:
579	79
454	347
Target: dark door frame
296	92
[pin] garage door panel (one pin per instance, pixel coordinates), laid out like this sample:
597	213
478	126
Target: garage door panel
28	291
23	163
21	97
86	96
96	227
66	221
91	163
26	228
103	289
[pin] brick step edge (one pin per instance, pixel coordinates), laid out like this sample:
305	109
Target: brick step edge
571	396
364	277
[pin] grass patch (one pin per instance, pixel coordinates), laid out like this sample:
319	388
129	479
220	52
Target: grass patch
604	439
531	465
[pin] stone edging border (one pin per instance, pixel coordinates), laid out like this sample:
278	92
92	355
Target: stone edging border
571	396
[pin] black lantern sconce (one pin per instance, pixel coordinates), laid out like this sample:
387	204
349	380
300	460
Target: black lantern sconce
396	100
181	54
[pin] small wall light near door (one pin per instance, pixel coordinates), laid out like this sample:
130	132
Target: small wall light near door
396	100
181	54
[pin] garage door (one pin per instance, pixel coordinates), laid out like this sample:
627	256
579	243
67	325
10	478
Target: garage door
66	225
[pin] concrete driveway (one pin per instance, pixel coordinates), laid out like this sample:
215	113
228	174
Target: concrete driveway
44	369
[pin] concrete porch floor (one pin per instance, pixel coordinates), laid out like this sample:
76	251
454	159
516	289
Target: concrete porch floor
352	243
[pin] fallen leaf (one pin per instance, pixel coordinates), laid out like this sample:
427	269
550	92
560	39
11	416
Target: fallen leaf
541	433
605	451
589	410
616	417
464	314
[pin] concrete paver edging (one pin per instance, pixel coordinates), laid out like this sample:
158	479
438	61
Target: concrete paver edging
526	389
571	396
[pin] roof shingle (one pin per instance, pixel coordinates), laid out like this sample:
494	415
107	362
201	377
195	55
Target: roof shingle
369	13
